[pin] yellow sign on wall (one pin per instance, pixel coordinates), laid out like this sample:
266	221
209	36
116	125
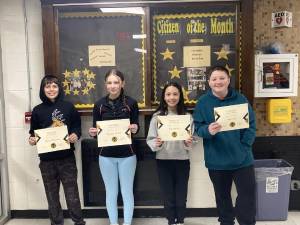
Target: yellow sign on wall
279	110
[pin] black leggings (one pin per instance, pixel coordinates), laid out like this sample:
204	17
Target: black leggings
173	178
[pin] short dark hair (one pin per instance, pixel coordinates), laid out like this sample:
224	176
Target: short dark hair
49	79
163	106
114	72
217	68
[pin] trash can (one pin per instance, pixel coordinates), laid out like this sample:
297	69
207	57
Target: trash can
273	178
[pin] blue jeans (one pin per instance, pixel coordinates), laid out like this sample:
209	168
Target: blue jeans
112	169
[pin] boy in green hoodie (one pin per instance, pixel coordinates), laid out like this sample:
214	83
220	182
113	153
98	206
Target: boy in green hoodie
228	154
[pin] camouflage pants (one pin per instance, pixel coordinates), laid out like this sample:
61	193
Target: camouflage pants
61	171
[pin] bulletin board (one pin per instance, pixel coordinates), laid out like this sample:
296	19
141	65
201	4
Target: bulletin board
90	44
187	44
179	42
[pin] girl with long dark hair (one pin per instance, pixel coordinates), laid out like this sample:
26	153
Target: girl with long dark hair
172	157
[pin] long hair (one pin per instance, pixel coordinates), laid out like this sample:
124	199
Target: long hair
117	73
114	72
163	106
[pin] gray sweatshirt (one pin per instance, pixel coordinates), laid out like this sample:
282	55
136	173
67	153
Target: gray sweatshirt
169	149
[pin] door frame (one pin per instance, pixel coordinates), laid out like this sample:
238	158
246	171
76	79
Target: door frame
4	183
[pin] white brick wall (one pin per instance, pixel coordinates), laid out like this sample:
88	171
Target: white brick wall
26	190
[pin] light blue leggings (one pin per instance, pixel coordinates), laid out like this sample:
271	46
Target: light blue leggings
111	170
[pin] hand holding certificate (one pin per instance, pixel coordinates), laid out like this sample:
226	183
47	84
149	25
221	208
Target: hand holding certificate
174	127
52	139
232	117
113	132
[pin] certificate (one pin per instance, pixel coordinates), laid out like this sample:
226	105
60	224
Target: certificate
52	139
174	127
113	132
196	56
232	117
102	55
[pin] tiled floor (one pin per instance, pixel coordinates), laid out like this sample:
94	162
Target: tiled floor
293	219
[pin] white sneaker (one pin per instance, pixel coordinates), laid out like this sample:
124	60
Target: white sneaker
179	223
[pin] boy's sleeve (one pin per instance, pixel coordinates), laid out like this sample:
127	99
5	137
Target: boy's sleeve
248	135
201	126
33	123
75	123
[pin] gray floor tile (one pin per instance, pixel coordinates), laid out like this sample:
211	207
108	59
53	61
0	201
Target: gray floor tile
293	219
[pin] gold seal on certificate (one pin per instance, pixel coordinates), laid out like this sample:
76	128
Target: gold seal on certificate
52	139
113	132
232	117
174	127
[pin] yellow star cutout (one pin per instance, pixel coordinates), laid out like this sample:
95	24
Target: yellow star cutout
86	72
229	69
76	73
91	85
185	94
167	54
175	72
67	74
67	91
65	83
85	91
75	92
91	75
222	54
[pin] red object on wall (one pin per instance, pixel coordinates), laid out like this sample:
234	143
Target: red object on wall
27	117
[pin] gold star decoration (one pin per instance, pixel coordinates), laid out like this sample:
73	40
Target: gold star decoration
85	91
67	91
78	82
85	72
175	72
76	73
65	83
229	69
75	92
167	54
185	94
67	74
222	54
91	75
90	85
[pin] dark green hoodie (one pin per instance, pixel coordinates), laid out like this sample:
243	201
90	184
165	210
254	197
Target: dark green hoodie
226	150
